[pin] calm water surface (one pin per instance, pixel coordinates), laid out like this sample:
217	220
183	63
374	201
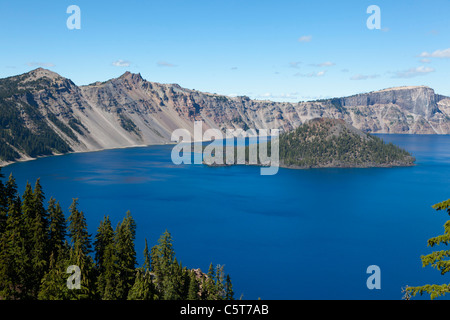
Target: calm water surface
300	234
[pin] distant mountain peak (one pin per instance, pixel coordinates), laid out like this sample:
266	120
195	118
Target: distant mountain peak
132	76
41	73
405	88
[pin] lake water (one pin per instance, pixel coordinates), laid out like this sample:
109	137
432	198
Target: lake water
300	234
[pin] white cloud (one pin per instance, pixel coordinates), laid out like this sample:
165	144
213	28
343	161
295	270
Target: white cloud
436	54
40	64
323	64
268	95
364	76
311	74
165	64
413	72
425	60
305	39
121	63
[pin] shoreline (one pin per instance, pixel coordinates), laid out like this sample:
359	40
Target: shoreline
4	164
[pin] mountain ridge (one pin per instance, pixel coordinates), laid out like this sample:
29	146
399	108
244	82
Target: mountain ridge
131	111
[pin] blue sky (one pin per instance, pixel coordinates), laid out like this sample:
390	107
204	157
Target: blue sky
277	50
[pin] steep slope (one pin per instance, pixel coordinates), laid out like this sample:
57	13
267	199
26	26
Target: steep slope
43	113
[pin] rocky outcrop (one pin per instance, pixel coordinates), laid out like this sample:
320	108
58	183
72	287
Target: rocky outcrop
130	111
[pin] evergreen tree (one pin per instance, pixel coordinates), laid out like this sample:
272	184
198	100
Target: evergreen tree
39	238
15	264
105	259
229	294
104	238
162	259
147	264
3	204
210	284
194	286
126	255
220	278
57	228
79	252
436	259
10	190
54	282
142	288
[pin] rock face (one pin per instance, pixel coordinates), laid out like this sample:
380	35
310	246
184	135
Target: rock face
130	111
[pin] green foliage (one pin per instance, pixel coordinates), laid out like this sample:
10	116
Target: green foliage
38	244
19	113
315	145
436	259
128	124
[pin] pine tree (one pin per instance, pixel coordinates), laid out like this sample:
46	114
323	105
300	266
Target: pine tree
436	259
54	282
143	287
103	238
210	284
220	287
15	264
57	228
162	259
3	204
79	252
10	190
126	255
229	294
105	259
194	286
147	264
39	238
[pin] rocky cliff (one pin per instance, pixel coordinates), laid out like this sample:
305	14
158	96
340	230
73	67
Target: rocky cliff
43	113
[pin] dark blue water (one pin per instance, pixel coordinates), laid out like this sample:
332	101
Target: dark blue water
300	234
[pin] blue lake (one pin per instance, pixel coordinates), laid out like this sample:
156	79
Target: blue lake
299	234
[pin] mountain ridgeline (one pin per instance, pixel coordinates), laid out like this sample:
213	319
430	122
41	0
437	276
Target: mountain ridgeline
43	113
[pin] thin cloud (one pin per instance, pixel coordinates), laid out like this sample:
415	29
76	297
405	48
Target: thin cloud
165	64
323	64
121	63
268	95
364	76
413	72
436	54
425	60
311	74
305	39
40	64
294	64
